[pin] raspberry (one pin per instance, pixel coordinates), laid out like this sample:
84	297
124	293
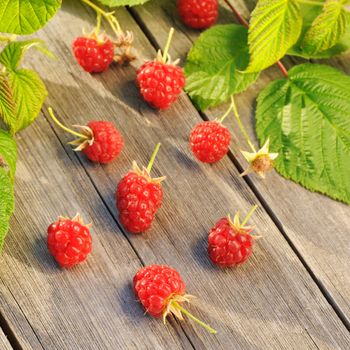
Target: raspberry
94	54
100	141
198	14
138	197
160	83
107	142
230	243
69	241
209	141
155	285
161	290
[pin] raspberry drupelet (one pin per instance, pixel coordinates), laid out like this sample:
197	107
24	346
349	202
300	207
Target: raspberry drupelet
100	141
230	243
138	197
198	14
161	81
69	241
161	291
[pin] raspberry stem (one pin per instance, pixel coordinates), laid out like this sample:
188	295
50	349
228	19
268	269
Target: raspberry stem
226	114
242	20
249	215
238	118
98	25
64	127
207	327
108	16
167	45
7	39
153	157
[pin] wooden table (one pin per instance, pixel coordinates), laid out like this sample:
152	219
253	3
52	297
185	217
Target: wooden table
294	293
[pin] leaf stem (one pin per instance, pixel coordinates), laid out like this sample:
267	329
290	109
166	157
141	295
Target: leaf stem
237	14
167	45
241	126
64	127
153	157
282	68
243	21
207	327
249	215
108	16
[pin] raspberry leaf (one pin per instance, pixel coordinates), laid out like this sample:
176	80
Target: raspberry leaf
7	103
309	14
29	94
22	93
275	26
8	153
13	53
327	28
26	16
6	204
306	119
115	3
215	63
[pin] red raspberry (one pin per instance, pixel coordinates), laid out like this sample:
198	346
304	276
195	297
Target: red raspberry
138	198
107	142
209	141
161	291
93	54
155	286
230	243
198	14
69	241
160	83
99	140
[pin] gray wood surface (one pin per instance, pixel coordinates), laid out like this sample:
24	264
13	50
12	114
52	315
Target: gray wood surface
271	302
316	225
4	343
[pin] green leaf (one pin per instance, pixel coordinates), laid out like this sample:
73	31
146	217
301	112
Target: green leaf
215	63
310	13
29	94
7	103
8	152
116	3
6	204
275	26
22	94
13	53
327	28
307	120
26	16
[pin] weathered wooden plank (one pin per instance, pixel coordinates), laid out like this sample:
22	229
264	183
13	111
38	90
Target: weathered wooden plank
4	343
91	306
271	302
316	225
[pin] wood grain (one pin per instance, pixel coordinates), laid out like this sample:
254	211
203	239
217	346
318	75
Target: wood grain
317	226
91	306
4	343
270	302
